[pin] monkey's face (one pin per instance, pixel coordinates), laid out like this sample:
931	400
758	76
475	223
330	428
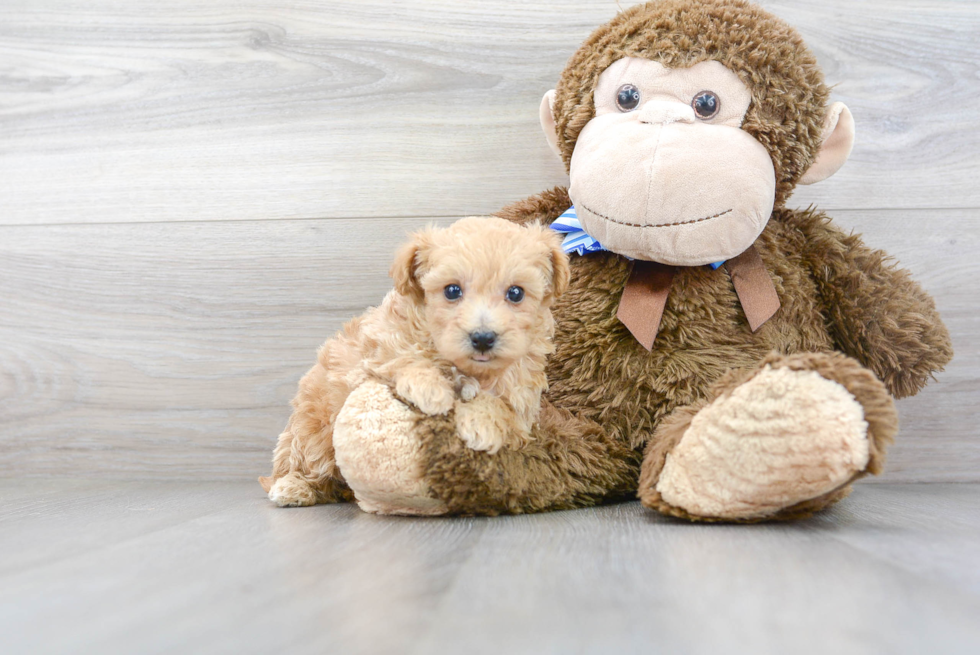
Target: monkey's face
680	158
664	172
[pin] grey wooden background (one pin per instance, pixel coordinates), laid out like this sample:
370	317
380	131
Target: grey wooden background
194	195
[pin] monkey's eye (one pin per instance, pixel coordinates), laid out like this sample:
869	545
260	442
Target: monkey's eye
515	294
452	292
627	98
706	104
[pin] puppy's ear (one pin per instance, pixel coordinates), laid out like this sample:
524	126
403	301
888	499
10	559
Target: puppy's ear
408	264
561	272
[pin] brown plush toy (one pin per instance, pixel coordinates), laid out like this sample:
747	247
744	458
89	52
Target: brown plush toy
753	390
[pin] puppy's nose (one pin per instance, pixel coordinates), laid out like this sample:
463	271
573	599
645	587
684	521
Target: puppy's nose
482	341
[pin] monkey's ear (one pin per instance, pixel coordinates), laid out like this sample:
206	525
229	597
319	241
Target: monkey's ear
409	260
837	141
547	115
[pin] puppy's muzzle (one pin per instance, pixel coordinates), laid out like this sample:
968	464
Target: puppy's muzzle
482	341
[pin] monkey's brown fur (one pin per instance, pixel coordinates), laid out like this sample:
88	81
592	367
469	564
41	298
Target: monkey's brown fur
847	313
830	285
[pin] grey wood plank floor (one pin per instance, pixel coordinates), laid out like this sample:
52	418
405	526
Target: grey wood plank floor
114	567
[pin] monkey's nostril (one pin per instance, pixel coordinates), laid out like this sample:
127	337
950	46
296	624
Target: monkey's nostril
482	341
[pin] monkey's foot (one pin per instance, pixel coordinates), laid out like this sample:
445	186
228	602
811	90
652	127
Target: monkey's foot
780	441
380	455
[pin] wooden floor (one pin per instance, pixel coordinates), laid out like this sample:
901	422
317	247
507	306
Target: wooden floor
96	567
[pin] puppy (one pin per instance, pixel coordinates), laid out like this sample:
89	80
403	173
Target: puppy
467	326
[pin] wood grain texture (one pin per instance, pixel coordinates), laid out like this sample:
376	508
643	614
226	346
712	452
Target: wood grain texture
172	350
117	111
205	567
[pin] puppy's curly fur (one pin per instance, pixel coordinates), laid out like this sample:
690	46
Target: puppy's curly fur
420	341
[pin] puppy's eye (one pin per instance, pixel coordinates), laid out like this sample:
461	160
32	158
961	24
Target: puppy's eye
452	292
628	97
515	294
706	104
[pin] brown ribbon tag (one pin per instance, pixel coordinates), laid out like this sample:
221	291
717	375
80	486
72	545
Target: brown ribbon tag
754	287
645	294
644	299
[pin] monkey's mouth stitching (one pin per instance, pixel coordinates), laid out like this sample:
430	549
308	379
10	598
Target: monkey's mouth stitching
696	220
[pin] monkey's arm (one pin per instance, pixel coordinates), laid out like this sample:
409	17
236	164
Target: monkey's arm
543	207
876	312
568	463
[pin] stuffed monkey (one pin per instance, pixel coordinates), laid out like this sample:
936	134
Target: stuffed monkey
721	355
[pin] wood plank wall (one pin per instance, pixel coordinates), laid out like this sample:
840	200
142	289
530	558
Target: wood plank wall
193	195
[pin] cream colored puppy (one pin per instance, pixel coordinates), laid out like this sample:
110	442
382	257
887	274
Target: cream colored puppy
468	327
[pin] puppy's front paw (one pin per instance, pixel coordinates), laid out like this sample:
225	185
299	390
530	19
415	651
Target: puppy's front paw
468	388
427	390
481	423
